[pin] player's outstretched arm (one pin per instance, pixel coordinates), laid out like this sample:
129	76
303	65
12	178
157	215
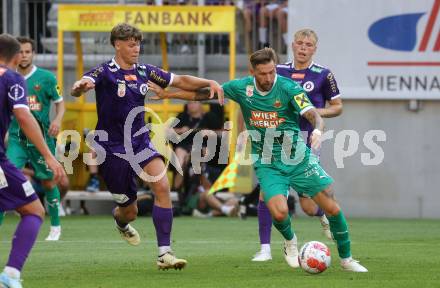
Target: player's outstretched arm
333	109
198	95
81	86
32	131
316	120
191	83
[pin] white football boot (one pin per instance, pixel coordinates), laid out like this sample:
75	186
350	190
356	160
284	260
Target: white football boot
54	233
168	260
262	256
130	235
291	252
352	265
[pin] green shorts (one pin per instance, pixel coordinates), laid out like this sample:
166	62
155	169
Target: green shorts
20	153
307	178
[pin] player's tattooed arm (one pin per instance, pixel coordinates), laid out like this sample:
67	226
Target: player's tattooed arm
197	95
316	120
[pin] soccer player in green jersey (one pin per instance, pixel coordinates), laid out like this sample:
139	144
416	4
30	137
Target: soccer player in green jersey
42	90
271	106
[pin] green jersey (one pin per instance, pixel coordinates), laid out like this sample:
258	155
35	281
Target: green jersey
42	89
271	115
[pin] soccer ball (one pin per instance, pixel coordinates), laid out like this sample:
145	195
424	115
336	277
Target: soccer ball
314	257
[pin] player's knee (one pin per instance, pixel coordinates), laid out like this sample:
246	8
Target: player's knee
310	211
130	215
332	210
280	215
161	188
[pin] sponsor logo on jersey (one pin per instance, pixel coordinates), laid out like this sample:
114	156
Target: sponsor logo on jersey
143	89
308	86
298	76
316	69
141	72
33	103
130	77
262	119
121	88
133	85
58	89
331	80
16	92
249	90
97	71
157	78
302	100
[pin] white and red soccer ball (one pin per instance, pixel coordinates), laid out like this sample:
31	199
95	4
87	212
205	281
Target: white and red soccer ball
314	257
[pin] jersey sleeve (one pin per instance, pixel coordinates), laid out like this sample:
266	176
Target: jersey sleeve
95	75
330	87
54	90
17	95
230	89
159	76
299	99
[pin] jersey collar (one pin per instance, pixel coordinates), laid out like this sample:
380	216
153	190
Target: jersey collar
292	65
27	76
113	62
266	92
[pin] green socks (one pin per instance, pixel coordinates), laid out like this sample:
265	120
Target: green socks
339	229
285	228
2	216
53	201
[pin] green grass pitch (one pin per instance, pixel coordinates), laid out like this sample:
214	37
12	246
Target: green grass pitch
398	253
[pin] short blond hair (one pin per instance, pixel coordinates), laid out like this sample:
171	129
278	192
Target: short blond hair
306	32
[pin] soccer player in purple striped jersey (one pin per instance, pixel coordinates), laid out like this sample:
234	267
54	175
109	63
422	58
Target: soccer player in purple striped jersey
16	192
322	89
121	85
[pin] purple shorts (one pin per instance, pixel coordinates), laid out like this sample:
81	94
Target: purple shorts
120	177
15	190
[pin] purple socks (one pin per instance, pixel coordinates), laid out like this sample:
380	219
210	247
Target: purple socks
163	221
264	223
319	212
23	241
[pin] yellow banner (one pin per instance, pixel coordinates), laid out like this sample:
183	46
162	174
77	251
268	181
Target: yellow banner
192	19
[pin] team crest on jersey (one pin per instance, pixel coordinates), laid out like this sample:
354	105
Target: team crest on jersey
302	100
308	86
16	92
277	103
37	87
121	88
249	90
143	89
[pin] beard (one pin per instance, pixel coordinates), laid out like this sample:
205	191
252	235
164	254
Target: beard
23	67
